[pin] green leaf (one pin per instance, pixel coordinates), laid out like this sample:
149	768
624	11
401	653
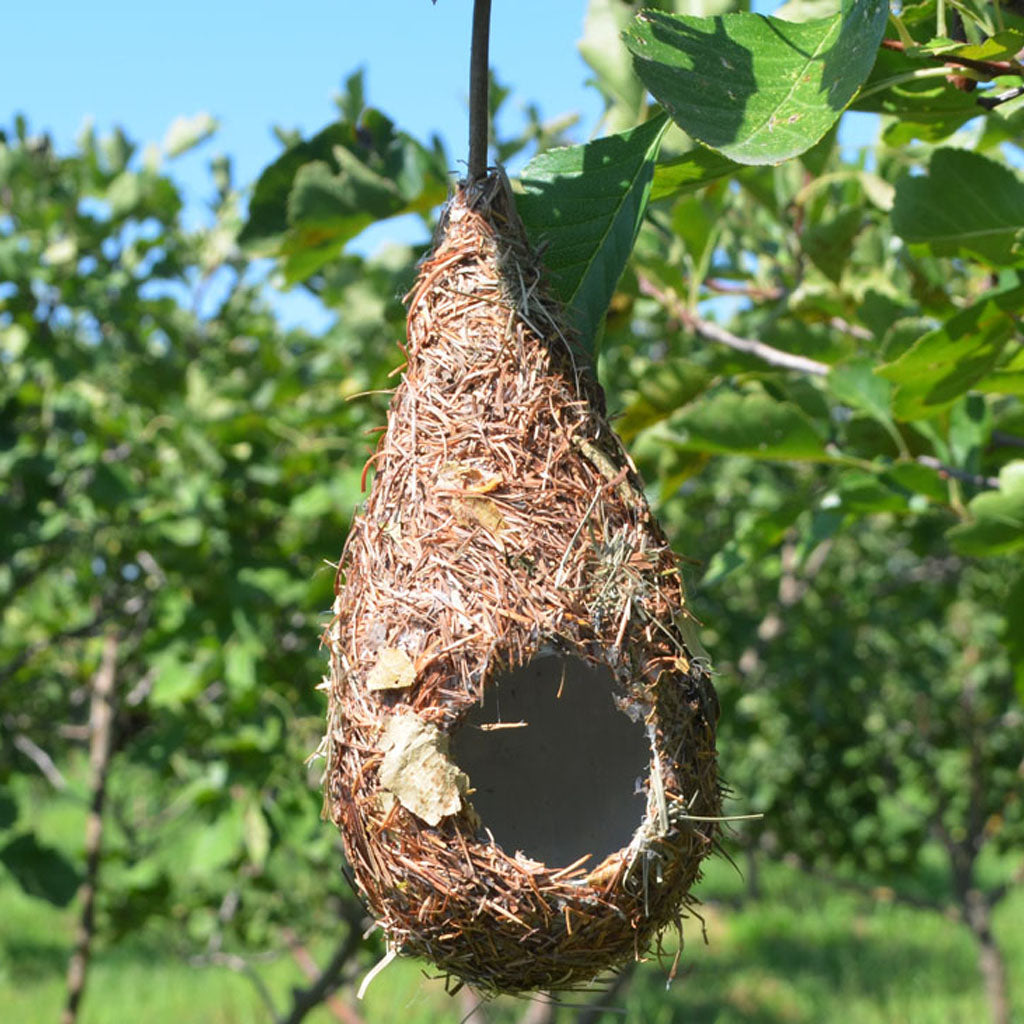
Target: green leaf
186	532
924	108
966	204
690	172
219	842
257	834
946	362
661	390
829	243
40	870
754	424
601	47
856	384
997	517
322	192
1013	633
177	677
758	89
1003	45
755	537
586	205
186	133
8	810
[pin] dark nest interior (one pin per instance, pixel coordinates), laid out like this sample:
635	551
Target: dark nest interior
520	744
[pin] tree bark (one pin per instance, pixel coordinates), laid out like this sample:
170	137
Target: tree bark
978	914
101	721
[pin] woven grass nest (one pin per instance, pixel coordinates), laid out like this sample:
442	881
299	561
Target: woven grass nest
520	743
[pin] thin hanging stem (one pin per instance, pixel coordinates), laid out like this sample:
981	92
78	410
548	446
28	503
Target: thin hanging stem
479	115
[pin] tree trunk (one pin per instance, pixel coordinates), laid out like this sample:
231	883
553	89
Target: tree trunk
101	721
978	914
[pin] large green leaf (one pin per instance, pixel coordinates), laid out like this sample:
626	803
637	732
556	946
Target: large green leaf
946	362
754	424
585	204
758	89
965	204
689	172
661	390
997	517
322	192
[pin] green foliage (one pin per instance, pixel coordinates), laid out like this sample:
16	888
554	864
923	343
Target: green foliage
322	192
174	466
760	90
987	220
586	204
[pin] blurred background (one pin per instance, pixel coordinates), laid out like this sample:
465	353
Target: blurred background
189	391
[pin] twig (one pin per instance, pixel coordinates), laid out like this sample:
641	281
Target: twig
242	965
712	332
41	759
101	721
991	102
853	330
992	68
472	1007
1000	437
957	474
341	1010
306	999
479	113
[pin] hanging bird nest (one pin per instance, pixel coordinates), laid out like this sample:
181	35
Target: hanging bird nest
506	597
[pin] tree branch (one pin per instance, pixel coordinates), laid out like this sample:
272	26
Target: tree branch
712	332
958	474
479	112
242	965
991	68
41	759
305	999
341	1010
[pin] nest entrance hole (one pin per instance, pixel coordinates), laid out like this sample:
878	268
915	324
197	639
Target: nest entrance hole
564	784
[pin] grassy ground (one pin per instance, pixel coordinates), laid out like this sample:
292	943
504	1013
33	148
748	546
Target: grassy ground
804	952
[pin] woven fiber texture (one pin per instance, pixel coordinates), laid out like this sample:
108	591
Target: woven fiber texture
505	522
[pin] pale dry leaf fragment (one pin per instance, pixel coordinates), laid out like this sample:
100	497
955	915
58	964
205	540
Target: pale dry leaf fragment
393	670
417	770
482	511
455	476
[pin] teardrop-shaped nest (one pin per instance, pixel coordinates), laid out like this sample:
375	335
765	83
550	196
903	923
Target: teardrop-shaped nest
505	522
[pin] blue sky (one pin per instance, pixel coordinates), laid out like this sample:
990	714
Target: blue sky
265	63
269	62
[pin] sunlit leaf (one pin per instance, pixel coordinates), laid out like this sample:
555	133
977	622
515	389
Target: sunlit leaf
944	363
996	524
758	89
585	204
